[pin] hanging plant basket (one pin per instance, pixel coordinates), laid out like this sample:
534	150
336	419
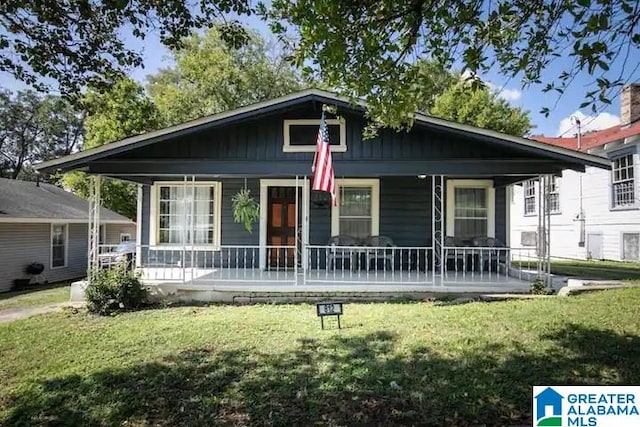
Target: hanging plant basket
246	210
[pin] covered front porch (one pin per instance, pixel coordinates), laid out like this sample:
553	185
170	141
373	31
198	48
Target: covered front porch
330	269
423	210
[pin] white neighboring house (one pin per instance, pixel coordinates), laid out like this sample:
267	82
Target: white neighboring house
44	224
595	214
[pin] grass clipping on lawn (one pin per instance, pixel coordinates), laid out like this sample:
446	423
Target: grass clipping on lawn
392	364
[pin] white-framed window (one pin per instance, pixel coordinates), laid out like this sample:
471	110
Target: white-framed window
358	211
125	237
470	208
623	182
300	135
530	186
554	195
186	214
59	242
631	246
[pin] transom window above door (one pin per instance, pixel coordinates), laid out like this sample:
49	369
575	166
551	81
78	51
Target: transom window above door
358	211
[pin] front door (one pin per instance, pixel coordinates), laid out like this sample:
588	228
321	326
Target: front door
281	227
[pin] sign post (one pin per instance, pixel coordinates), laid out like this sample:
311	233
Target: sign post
329	309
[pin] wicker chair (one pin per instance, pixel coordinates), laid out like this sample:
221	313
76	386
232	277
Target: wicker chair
338	252
381	243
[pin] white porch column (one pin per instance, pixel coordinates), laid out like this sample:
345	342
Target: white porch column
139	228
544	229
438	261
93	244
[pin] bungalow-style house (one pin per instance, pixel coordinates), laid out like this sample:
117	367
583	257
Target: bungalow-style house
595	214
416	211
41	223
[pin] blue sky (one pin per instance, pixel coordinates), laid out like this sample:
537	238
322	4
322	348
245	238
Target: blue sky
531	99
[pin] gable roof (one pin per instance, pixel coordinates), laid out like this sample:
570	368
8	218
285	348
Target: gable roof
24	201
79	159
595	139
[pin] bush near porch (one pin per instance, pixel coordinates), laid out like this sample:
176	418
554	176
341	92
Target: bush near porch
392	364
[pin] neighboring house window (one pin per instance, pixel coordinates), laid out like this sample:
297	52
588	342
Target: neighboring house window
470	209
530	196
300	136
623	181
188	214
630	246
59	237
554	195
125	237
358	210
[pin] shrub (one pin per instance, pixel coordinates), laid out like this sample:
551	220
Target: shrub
538	287
115	289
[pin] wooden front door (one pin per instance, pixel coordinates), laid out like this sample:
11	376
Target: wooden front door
281	226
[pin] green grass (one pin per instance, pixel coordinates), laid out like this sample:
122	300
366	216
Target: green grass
35	297
612	270
392	364
603	270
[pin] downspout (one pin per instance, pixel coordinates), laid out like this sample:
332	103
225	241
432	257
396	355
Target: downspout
581	216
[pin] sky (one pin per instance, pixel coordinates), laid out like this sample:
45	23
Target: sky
533	99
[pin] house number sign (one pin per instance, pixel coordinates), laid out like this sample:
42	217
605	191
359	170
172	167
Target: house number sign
329	309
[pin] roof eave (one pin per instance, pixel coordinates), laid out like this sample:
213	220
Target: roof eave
568	155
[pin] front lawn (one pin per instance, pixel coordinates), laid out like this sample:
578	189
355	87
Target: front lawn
392	364
606	270
35	296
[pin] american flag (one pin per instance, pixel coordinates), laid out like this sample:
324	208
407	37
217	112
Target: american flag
323	179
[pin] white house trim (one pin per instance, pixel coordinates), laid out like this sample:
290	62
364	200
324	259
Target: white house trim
288	148
375	203
153	213
471	183
139	226
264	193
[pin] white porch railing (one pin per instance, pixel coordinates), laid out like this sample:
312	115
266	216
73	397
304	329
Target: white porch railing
368	265
317	265
235	264
461	264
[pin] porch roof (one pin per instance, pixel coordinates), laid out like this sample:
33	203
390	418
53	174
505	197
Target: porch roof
85	159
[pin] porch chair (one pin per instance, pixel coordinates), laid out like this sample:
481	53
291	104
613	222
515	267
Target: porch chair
381	243
488	258
452	254
338	252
